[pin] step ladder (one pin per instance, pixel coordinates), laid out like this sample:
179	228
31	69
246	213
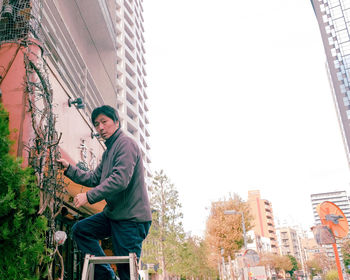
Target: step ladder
90	261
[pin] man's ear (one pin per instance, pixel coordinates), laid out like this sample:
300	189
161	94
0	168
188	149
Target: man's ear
117	123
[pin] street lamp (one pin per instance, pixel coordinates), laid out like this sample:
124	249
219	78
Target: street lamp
234	212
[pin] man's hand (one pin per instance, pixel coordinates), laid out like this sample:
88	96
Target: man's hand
63	163
80	199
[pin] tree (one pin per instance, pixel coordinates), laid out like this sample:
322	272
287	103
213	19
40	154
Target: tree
173	252
276	262
166	233
320	263
346	254
22	231
283	263
295	265
194	261
314	267
226	231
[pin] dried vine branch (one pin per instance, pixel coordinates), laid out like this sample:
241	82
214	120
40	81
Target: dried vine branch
43	148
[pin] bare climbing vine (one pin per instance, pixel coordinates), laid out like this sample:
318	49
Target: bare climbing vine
43	148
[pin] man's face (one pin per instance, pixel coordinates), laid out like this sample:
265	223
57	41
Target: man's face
105	126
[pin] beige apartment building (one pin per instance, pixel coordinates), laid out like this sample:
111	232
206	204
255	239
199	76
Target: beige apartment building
264	225
289	242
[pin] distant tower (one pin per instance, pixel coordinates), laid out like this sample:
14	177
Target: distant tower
131	73
334	24
264	224
340	198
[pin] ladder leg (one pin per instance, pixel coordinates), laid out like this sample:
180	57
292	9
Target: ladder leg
133	266
92	271
84	275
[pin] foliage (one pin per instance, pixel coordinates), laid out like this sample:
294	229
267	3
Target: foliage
295	265
166	233
22	232
320	264
276	262
226	231
346	255
166	244
283	263
332	275
314	267
194	261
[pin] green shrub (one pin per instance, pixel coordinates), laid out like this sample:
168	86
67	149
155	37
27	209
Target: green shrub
332	275
22	231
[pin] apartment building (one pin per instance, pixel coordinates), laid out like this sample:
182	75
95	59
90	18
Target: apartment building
258	243
333	18
341	199
289	242
264	225
98	47
131	74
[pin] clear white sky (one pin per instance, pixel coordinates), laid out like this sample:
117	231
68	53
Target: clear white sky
239	100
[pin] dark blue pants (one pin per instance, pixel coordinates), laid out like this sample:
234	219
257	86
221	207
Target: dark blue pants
127	237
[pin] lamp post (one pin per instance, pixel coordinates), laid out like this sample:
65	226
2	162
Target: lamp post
223	263
234	212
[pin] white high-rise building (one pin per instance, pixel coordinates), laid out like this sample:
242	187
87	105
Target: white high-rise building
333	17
339	198
97	48
131	83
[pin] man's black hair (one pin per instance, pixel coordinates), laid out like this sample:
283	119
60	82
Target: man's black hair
105	110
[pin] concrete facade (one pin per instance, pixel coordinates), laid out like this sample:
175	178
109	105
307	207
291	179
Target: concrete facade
264	225
289	243
333	20
340	198
95	49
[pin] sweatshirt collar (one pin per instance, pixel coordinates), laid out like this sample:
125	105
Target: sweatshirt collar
109	142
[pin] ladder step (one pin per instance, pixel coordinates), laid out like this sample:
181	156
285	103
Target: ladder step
90	261
109	259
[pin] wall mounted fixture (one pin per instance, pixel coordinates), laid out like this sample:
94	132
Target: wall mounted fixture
78	102
94	135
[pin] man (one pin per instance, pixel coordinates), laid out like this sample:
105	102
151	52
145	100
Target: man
119	180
